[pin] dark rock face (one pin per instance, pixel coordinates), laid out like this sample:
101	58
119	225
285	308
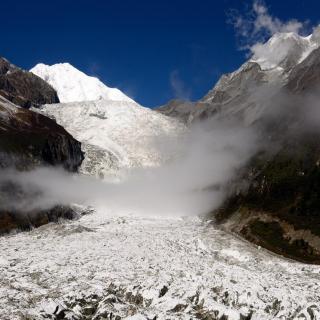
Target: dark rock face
27	140
280	209
23	88
25	221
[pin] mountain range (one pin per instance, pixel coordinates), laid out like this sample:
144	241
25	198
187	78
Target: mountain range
60	116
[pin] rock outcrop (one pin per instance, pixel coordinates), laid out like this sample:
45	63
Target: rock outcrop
24	88
10	220
29	139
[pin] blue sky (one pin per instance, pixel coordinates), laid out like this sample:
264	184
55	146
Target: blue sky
152	50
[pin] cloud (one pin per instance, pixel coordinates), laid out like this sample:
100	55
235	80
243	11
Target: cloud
256	25
195	181
179	88
265	22
205	163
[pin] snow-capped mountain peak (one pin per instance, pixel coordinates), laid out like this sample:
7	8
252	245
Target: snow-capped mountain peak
73	85
284	50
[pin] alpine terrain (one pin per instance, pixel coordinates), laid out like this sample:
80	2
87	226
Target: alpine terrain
254	255
276	94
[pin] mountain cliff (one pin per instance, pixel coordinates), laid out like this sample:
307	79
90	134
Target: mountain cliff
276	92
24	88
29	139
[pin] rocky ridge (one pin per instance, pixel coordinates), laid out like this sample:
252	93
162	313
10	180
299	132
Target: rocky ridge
29	139
24	88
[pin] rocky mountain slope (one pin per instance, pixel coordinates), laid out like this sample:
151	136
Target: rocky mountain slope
181	110
240	93
29	139
24	88
73	85
280	210
276	93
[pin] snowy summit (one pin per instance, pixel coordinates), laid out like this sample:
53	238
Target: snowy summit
285	49
73	85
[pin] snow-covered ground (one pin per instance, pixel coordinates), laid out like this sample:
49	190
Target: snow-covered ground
116	134
111	265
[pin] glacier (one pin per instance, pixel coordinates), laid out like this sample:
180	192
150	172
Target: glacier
123	265
115	135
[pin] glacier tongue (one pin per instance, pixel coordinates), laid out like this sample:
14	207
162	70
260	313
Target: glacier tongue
119	266
73	85
115	135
